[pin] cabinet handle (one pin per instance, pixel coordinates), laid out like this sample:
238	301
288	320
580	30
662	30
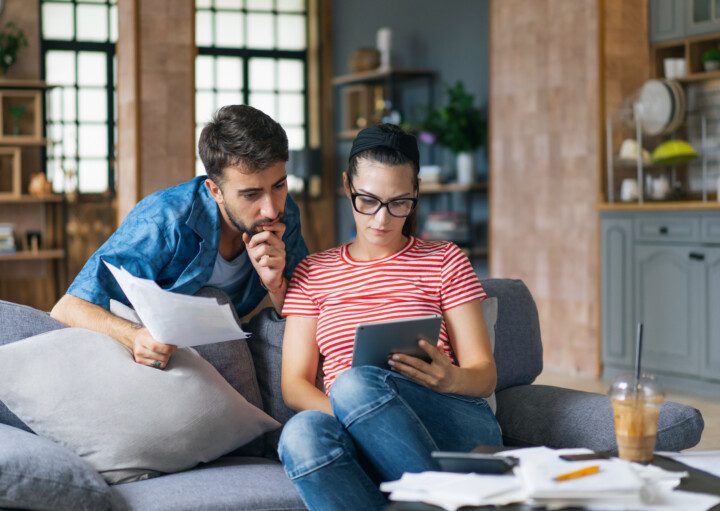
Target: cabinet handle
663	229
697	256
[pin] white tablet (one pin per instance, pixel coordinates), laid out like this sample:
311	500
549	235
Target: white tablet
375	342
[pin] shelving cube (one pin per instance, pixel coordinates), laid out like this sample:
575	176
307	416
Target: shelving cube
25	126
10	172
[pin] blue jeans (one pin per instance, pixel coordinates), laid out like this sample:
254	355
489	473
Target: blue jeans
384	424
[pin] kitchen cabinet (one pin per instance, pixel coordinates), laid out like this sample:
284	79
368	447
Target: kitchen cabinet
667	20
702	17
676	19
662	268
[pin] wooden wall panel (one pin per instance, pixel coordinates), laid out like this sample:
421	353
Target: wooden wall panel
544	149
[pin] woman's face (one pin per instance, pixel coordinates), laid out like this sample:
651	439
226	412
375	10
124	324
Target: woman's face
386	183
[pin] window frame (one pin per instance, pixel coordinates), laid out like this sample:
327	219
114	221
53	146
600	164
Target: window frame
109	50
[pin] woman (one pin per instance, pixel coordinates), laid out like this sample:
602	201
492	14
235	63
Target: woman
373	424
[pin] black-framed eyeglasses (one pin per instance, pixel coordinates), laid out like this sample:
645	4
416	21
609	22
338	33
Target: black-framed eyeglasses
369	205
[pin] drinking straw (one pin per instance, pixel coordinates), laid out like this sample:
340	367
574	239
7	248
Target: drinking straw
638	352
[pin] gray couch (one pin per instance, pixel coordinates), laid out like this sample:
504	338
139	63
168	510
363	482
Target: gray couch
253	479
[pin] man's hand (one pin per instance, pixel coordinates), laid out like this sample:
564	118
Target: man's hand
266	251
439	375
149	352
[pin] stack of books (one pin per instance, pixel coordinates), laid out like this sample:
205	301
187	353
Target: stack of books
447	225
7	239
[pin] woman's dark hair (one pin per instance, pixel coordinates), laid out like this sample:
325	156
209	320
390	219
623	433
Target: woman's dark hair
241	135
389	156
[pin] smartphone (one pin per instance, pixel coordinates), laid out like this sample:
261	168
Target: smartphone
586	456
467	462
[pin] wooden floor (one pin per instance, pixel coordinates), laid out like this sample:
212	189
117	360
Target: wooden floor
710	408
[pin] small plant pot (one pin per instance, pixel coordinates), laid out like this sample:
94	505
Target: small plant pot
711	65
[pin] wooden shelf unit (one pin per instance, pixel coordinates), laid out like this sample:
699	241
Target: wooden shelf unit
32	199
690	49
33	255
378	75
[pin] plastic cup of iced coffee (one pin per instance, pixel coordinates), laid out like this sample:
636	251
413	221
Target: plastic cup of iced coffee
636	407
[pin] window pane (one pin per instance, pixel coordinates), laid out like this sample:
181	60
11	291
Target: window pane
291	32
291	109
228	98
296	138
204	106
69	141
262	74
60	67
290	5
203	28
261	31
55	104
264	102
113	24
260	5
199	168
93	176
203	4
229	73
91	68
93	140
228	30
93	105
92	22
69	110
701	11
204	72
228	4
290	74
58	21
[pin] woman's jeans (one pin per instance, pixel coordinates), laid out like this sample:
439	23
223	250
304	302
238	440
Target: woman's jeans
384	424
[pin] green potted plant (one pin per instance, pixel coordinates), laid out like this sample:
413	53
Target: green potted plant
12	40
459	126
711	59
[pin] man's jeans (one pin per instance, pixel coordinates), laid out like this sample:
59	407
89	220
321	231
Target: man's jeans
385	424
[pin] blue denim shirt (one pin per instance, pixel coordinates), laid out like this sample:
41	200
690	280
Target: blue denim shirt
172	237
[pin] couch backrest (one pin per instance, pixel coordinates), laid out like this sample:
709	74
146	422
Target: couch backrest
518	347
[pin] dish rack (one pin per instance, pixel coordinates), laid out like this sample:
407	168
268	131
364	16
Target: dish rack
631	114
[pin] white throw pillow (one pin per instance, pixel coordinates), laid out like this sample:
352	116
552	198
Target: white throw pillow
83	390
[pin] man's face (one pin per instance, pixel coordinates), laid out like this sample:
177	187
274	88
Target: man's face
251	200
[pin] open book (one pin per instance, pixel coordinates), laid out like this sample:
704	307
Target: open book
178	319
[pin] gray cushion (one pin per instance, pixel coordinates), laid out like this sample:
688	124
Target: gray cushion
36	473
559	418
19	322
84	390
267	328
518	348
227	484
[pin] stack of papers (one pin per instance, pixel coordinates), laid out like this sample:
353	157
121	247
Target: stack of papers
178	319
617	485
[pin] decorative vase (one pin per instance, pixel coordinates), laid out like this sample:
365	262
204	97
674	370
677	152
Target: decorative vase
465	166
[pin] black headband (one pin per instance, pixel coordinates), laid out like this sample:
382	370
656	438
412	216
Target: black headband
370	138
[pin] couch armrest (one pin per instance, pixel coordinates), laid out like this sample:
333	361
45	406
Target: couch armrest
559	418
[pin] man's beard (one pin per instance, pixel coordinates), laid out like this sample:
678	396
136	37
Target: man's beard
255	227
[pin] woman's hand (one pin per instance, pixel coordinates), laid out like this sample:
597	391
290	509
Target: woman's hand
439	375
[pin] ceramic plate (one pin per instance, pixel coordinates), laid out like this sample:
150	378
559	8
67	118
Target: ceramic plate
679	104
656	104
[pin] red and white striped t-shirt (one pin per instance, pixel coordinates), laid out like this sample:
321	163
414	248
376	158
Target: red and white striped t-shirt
425	277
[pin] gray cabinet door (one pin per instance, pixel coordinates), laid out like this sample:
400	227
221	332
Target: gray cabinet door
617	312
701	16
669	302
711	353
667	19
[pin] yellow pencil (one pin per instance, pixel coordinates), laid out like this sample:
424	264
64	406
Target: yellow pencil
593	469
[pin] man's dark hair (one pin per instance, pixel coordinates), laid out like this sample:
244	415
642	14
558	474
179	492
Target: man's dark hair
240	135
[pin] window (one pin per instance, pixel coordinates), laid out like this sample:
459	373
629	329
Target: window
78	58
252	52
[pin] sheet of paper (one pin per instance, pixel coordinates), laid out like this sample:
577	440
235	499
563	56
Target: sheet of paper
178	319
709	461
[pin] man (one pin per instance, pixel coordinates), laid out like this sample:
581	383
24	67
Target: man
236	229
